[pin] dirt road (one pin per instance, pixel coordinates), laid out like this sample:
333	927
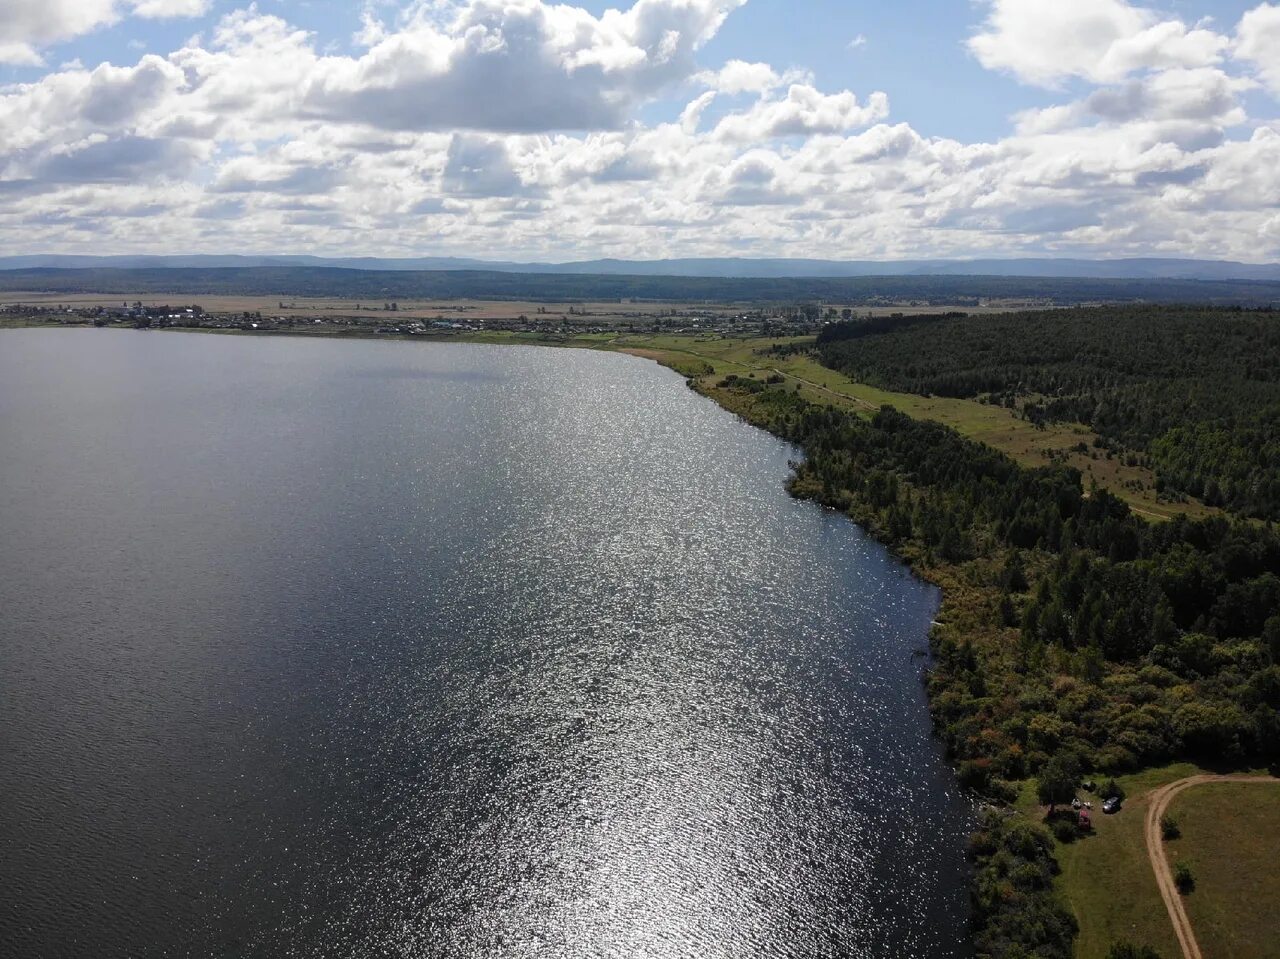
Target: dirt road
1159	804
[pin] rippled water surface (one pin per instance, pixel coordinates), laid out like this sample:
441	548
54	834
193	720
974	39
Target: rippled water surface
324	649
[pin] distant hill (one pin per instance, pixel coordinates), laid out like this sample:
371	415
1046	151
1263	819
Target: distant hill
1140	269
380	286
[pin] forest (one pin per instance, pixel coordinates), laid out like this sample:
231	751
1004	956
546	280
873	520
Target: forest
1192	392
560	288
1072	631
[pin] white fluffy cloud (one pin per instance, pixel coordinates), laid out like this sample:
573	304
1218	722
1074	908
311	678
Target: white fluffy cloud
1047	41
28	25
516	65
804	111
513	128
164	9
1258	41
738	76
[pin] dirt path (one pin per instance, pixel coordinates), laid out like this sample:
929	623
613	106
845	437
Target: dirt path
1159	804
830	392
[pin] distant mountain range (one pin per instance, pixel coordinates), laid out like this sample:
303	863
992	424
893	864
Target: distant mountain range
1135	269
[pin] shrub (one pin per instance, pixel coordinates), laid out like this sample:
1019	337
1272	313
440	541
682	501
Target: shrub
1169	828
1065	830
974	774
1002	791
1127	950
1015	910
1112	789
1183	878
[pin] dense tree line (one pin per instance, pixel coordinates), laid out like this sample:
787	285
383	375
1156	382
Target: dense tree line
1194	391
1075	634
383	285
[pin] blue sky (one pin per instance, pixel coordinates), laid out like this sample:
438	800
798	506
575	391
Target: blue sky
1024	127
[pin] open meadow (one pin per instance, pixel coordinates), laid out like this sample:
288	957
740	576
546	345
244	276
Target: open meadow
1230	840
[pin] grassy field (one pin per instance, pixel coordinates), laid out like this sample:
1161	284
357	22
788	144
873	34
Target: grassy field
1231	840
1107	879
460	309
1230	835
319	306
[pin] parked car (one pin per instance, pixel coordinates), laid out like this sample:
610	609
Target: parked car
1112	805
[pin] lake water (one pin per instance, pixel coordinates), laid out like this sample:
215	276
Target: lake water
344	649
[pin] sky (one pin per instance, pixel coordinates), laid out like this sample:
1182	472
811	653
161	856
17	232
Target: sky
521	129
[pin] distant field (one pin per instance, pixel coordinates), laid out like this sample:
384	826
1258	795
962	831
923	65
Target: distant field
1231	840
312	306
453	309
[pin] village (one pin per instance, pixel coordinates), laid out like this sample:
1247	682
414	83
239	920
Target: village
418	320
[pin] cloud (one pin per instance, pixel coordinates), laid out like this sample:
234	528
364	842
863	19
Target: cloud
480	167
516	66
738	76
805	111
530	129
28	25
1204	94
169	9
126	159
66	107
247	176
1044	42
1258	41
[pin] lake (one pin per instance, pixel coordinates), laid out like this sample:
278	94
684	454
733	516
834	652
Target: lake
341	649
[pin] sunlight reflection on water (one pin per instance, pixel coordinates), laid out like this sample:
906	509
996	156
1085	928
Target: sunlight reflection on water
514	653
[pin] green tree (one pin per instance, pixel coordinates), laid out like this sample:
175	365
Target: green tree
1058	781
1184	878
1271	638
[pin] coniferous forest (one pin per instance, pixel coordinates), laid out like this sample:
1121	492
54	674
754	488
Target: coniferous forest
1195	391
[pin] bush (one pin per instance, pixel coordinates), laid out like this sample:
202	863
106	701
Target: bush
1169	828
1183	878
1065	830
1127	950
1015	910
1002	791
974	774
1112	789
